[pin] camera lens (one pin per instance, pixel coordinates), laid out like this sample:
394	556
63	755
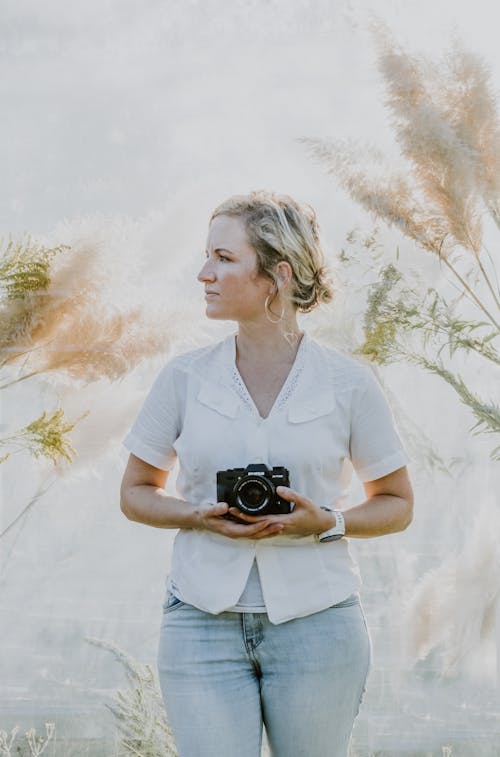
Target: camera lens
252	494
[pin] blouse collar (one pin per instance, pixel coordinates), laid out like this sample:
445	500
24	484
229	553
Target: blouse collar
310	398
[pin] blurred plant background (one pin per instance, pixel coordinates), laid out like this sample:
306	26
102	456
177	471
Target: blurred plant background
446	123
445	118
55	321
124	126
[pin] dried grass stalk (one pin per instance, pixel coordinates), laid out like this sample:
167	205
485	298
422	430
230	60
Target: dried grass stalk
445	121
139	712
70	328
453	606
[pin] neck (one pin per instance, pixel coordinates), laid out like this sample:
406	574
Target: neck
267	343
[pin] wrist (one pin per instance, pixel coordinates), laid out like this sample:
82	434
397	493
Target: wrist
194	519
336	531
327	521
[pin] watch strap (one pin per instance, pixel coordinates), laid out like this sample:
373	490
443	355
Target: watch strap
337	531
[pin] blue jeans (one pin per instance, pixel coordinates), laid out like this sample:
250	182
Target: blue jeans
225	676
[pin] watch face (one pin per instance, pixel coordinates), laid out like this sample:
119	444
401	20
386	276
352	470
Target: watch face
333	537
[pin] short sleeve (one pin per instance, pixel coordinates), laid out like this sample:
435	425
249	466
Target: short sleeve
375	447
157	425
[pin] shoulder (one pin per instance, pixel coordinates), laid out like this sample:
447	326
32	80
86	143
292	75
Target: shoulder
197	360
346	371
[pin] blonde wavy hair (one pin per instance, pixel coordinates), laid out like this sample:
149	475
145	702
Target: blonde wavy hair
280	228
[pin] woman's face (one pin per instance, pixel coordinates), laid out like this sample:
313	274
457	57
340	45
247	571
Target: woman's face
233	289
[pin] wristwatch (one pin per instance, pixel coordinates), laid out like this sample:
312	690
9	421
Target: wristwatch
337	531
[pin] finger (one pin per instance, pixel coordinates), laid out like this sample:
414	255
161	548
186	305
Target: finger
246	516
217	508
231	528
273	530
290	495
286	493
246	520
255	528
270	517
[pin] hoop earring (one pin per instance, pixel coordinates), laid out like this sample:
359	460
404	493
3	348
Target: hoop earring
267	311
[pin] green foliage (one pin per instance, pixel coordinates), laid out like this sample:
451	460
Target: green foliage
25	279
25	275
25	267
487	414
46	436
417	325
392	313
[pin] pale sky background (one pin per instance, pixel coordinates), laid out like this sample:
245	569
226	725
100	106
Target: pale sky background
128	121
131	106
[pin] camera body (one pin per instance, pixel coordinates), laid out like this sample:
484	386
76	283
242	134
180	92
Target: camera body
253	489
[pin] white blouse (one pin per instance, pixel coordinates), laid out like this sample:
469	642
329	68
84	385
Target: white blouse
329	417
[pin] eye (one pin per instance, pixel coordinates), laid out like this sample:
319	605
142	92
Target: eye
220	256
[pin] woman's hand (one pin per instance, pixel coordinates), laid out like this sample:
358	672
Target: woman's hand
306	518
209	517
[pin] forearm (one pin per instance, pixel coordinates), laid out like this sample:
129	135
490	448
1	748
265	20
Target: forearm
378	515
153	507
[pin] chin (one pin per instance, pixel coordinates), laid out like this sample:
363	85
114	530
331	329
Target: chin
222	312
214	314
220	315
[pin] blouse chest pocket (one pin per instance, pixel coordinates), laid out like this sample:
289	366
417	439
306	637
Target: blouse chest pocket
220	399
309	408
210	425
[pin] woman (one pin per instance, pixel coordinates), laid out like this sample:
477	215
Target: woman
262	622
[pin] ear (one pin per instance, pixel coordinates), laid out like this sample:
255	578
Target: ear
284	274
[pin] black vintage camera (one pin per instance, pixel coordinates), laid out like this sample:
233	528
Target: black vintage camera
253	489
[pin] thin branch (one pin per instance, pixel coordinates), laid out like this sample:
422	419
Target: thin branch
21	378
488	282
28	507
490	258
481	267
470	291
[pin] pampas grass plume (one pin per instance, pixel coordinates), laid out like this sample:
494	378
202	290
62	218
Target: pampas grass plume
72	328
452	608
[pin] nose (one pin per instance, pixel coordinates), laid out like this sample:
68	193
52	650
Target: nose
206	273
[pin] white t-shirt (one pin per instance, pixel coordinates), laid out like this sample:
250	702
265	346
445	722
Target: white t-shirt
329	417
